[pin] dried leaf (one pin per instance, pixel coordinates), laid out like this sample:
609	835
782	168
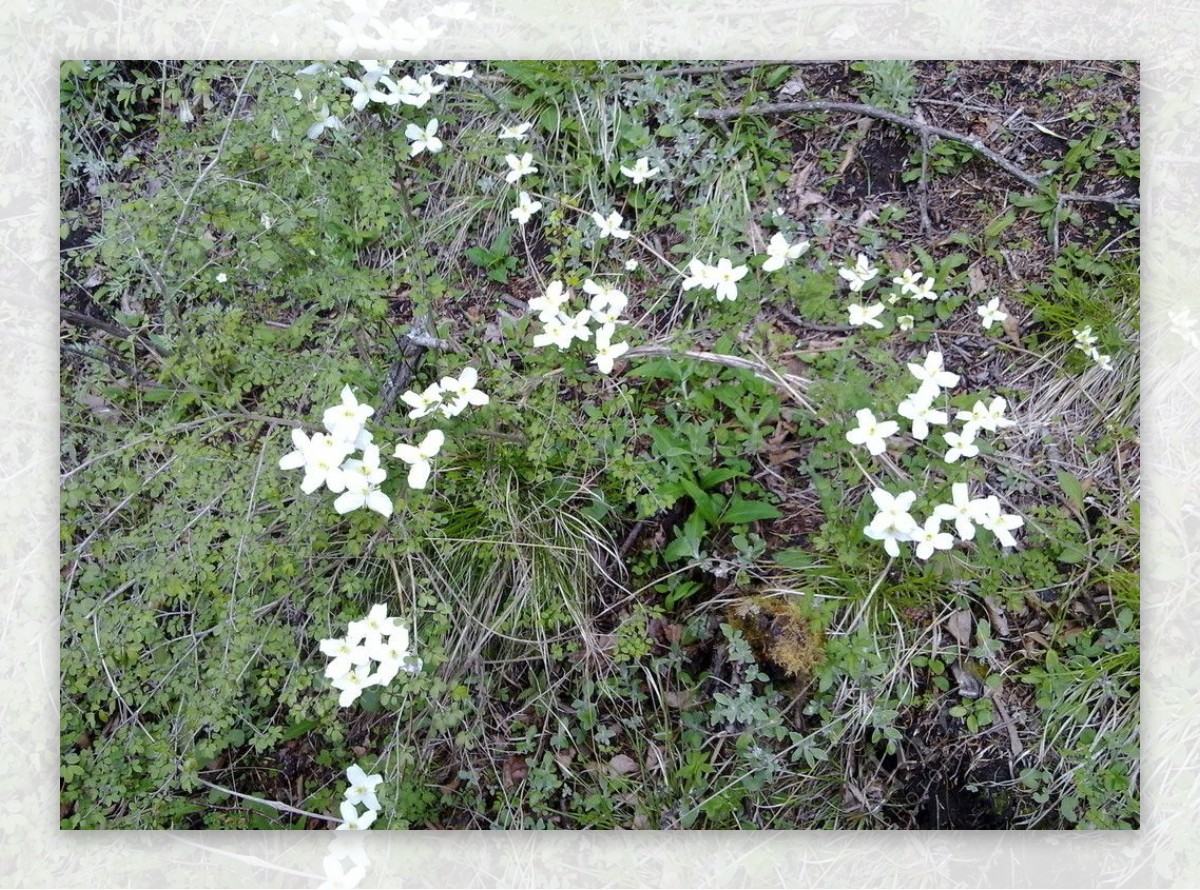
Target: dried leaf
960	624
1013	328
515	770
978	281
996	614
623	764
677	698
794	87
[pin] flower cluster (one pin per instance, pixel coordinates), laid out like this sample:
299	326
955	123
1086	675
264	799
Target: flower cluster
376	638
1085	341
893	523
561	328
721	278
450	397
360	791
325	458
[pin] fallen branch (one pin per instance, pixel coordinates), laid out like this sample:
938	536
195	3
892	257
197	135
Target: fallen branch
1037	182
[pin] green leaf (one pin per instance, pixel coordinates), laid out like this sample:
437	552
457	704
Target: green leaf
794	558
1073	489
704	503
741	510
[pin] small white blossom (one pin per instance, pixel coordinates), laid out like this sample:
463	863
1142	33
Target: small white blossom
871	432
726	276
423	138
865	315
779	252
518	167
610	225
526	208
991	313
518	133
640	171
860	274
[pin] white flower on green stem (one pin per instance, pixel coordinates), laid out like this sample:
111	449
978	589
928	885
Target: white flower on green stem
344	421
726	276
351	820
607	304
872	432
362	787
606	350
991	312
905	322
554	332
932	375
550	304
375	626
518	167
460	392
909	282
351	684
865	315
700	274
961	444
989	417
610	225
925	291
918	407
325	121
418	457
455	69
345	655
640	171
526	208
990	517
930	537
780	253
860	274
892	523
963	511
423	403
320	456
519	133
392	654
576	326
423	138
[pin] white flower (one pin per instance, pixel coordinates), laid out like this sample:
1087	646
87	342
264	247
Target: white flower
362	787
871	432
700	275
892	522
918	408
606	350
392	654
555	332
519	133
930	537
423	403
549	305
351	684
865	315
345	421
459	392
1104	361
320	456
423	138
607	303
419	456
575	327
1000	524
925	291
360	479
345	656
222	278
779	252
862	272
266	221
961	444
962	511
454	69
610	225
931	375
413	92
519	167
631	265
909	282
989	417
374	627
362	91
991	313
726	276
352	821
1084	339
325	121
526	207
641	170
905	322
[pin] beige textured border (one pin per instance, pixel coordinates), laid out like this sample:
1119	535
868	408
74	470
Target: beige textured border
37	34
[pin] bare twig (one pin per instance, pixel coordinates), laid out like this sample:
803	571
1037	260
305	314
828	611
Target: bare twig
273	804
1033	181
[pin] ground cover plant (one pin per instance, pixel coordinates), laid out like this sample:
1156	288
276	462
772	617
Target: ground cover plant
650	445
